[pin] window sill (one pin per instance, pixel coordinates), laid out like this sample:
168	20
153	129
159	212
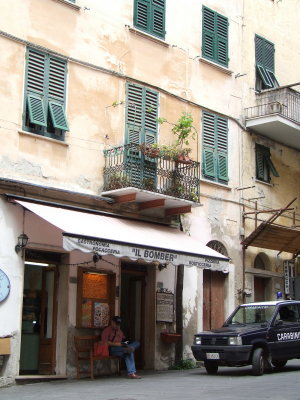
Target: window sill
40	137
264	183
221	185
217	66
147	36
69	4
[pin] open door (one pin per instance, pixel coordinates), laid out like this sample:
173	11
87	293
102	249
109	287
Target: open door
47	348
133	309
38	342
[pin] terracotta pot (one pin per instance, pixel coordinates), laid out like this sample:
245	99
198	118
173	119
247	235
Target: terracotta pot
168	338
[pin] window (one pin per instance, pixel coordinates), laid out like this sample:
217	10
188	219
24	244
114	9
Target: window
149	16
264	59
95	298
215	147
141	114
45	95
214	36
141	127
264	165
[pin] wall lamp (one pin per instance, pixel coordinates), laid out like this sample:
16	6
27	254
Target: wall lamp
22	242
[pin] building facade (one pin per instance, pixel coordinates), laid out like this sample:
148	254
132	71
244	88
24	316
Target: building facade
94	98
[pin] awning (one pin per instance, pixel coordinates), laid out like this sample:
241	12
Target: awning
274	237
122	237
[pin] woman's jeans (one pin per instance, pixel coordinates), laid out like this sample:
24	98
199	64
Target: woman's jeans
128	357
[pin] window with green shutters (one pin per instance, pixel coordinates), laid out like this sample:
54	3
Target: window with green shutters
214	36
264	164
141	127
215	147
149	16
45	89
265	65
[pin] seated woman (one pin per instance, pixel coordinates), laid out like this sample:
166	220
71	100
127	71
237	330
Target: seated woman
114	337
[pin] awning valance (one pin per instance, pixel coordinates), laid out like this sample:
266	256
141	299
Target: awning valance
122	237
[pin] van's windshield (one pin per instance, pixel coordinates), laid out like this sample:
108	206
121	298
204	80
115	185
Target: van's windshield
251	314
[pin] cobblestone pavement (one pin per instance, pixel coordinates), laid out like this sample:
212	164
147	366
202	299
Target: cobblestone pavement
229	383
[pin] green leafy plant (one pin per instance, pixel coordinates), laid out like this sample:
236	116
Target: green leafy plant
184	130
117	181
184	364
149	184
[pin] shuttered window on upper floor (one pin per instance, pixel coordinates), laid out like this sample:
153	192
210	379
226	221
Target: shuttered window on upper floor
215	147
149	16
141	114
214	36
45	90
265	64
264	164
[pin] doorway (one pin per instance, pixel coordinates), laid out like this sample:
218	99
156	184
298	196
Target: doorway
261	288
39	318
213	299
133	280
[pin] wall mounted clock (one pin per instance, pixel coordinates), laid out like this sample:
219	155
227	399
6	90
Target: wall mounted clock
4	286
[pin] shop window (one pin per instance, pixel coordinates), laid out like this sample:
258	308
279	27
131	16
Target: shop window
95	298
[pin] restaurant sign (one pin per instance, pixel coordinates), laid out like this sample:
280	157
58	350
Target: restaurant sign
120	249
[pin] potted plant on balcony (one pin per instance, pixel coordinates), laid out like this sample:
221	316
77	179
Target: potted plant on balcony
117	181
184	131
150	150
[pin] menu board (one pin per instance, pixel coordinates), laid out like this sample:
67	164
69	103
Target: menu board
164	307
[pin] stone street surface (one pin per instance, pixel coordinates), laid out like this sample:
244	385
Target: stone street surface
228	384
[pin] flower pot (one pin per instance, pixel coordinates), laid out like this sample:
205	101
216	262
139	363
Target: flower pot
169	338
184	159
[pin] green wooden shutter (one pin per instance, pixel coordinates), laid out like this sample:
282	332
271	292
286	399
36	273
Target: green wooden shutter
209	145
35	87
214	36
261	172
208	33
222	39
56	92
222	148
150	116
265	64
36	110
149	16
134	117
209	163
142	14
158	17
58	116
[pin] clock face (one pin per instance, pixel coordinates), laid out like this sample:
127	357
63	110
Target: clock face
4	286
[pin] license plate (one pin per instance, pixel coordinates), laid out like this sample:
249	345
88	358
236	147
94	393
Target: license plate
212	356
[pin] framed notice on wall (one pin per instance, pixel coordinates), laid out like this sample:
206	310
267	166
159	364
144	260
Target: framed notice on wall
164	307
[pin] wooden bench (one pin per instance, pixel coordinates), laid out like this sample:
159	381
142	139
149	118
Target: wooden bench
84	348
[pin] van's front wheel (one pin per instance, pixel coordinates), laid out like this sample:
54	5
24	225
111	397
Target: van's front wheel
258	362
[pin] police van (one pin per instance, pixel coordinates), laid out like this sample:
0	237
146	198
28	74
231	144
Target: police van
263	335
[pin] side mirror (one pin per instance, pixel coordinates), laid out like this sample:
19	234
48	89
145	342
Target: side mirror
278	322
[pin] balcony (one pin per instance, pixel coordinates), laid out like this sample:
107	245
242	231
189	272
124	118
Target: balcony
158	186
276	116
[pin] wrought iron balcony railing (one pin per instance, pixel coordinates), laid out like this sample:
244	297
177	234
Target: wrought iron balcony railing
127	166
282	101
